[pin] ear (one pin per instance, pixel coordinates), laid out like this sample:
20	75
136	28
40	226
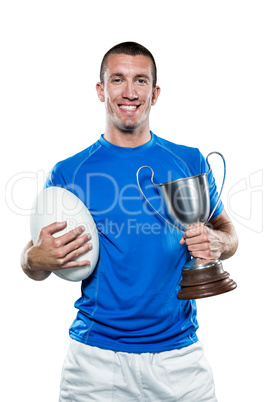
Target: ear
156	93
100	91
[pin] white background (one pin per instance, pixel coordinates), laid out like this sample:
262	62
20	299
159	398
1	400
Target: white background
212	68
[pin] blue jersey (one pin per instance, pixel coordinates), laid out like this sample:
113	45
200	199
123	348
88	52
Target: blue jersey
129	303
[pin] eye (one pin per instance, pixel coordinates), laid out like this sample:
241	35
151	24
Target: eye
116	80
142	81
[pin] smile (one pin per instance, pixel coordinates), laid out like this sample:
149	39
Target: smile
128	107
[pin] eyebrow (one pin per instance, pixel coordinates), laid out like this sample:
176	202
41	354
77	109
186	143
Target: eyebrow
143	76
136	76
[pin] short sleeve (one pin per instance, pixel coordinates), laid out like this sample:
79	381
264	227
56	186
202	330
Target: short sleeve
214	196
56	177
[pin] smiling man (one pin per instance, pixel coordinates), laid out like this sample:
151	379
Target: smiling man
128	89
132	339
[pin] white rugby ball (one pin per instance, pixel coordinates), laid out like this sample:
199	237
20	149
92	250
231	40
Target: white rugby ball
55	204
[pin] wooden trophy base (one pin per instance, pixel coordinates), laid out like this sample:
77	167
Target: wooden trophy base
206	280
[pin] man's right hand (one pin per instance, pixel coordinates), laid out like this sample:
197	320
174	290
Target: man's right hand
51	253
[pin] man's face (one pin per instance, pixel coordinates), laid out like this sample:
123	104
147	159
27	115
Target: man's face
128	92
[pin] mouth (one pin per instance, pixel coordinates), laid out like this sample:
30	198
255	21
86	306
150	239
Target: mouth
130	108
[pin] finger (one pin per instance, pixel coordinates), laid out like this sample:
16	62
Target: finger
205	255
74	264
81	250
182	241
71	235
196	236
202	239
193	231
189	233
204	251
69	260
199	247
54	227
76	243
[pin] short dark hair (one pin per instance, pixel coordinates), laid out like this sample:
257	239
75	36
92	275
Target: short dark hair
131	49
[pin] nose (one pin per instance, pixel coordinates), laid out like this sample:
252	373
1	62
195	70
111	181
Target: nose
129	91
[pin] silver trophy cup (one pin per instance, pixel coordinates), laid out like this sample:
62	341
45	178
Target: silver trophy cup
187	203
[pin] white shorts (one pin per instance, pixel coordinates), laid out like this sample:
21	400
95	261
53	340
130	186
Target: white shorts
93	374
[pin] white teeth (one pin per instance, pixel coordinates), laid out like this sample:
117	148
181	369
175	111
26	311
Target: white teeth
128	107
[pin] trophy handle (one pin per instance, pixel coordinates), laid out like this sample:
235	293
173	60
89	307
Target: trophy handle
223	180
156	185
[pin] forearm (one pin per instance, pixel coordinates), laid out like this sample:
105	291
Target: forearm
35	274
227	237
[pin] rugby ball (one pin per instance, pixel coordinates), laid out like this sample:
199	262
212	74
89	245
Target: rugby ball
55	204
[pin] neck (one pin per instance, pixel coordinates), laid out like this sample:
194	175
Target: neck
127	139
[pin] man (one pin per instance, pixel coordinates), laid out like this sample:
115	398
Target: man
132	339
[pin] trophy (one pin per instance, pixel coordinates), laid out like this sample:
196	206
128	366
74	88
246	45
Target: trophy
187	202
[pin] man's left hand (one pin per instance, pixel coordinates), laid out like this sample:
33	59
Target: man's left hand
203	243
209	244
